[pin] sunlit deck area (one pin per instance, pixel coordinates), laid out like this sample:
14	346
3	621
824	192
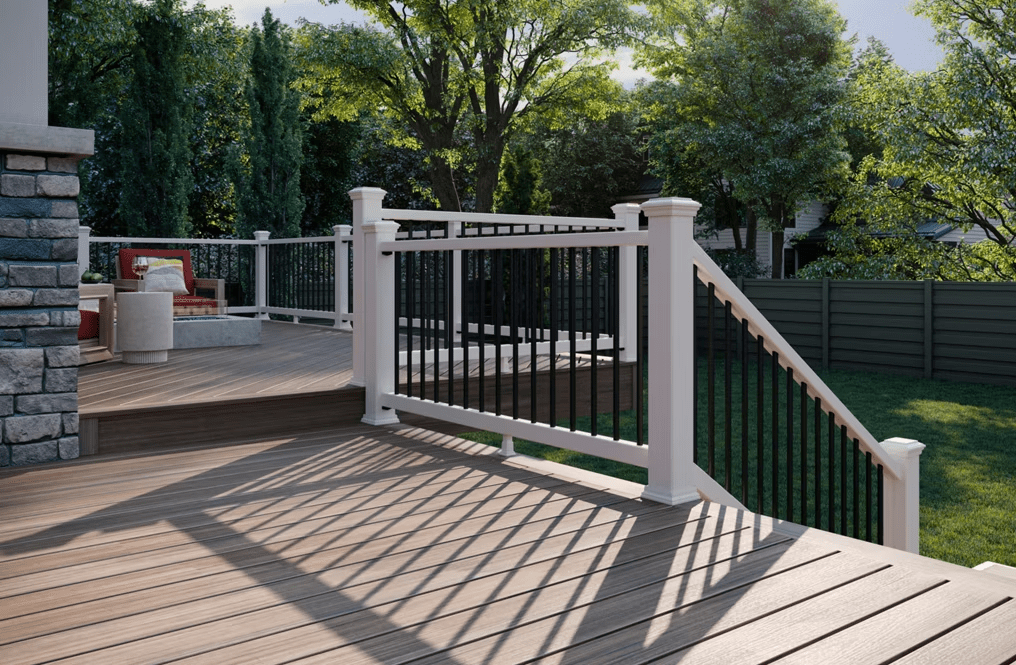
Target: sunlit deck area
394	545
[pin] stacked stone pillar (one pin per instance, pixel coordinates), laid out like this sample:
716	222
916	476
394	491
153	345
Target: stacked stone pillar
38	307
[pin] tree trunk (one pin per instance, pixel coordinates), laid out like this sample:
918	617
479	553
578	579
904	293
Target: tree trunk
751	229
488	167
777	250
442	182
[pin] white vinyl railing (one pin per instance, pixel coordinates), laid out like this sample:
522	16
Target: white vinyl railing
673	477
334	248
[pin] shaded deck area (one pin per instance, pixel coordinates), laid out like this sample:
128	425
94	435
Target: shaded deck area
395	545
297	379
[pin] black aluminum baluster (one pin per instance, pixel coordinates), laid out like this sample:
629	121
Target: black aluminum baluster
463	296
880	506
843	479
728	416
533	322
640	350
831	491
594	321
498	316
775	443
868	535
449	297
572	325
743	341
515	314
818	462
760	418
616	309
435	317
555	303
398	310
857	491
410	313
481	256
694	352
790	444
710	382
804	453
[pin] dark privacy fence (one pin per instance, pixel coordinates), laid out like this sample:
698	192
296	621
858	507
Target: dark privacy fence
944	330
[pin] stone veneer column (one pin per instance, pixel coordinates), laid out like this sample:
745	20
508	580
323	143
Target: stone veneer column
38	306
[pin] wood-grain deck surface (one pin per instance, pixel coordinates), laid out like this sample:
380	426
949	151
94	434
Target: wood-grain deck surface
396	545
291	359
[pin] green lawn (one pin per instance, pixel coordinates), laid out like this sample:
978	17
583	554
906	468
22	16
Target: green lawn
968	471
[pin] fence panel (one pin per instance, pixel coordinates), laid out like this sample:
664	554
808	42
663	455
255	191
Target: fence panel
945	330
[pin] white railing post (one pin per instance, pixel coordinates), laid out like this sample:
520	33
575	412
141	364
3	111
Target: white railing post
454	229
83	260
378	318
903	496
671	328
366	208
343	233
261	274
628	216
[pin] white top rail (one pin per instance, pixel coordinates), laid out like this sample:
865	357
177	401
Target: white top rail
173	241
774	342
494	218
618	239
303	241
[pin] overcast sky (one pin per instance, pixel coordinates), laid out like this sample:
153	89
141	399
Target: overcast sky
910	39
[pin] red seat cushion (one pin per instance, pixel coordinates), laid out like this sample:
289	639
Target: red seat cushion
89	327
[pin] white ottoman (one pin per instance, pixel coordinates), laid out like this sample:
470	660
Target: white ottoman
145	326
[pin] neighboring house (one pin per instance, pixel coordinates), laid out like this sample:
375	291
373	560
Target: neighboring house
805	240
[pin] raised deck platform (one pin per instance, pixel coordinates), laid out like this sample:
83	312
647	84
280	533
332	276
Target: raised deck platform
395	545
295	380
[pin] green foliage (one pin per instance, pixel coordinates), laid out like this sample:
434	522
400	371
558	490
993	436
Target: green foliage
90	45
154	121
519	191
758	86
159	87
268	182
949	142
434	67
588	164
329	150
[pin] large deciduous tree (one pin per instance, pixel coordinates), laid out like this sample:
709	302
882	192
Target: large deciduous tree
268	184
949	154
440	65
758	83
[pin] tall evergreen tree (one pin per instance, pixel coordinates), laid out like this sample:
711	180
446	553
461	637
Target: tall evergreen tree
268	184
154	123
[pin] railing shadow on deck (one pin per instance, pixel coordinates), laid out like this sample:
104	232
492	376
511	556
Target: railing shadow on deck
348	587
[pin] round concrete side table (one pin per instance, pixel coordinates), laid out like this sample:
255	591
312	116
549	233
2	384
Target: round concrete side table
145	326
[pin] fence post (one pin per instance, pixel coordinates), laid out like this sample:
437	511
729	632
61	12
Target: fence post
929	328
378	319
343	233
903	496
825	322
454	229
261	274
628	216
366	208
83	260
672	366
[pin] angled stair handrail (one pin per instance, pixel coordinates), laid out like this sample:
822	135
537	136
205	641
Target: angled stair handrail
758	325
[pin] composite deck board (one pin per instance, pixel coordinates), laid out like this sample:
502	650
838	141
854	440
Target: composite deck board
388	545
